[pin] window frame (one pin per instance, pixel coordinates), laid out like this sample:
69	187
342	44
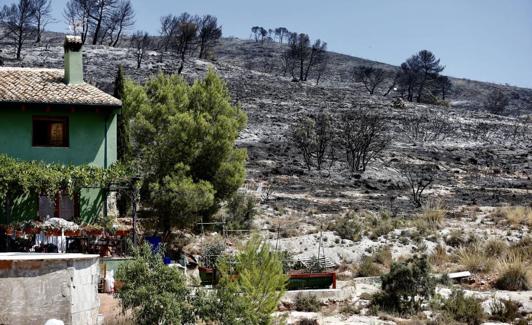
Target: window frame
66	135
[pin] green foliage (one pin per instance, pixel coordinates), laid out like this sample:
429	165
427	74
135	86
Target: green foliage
211	252
368	268
240	211
123	132
463	309
18	178
504	310
184	138
514	278
156	293
407	286
307	321
307	302
347	227
250	287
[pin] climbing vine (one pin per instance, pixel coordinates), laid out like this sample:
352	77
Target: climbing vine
19	177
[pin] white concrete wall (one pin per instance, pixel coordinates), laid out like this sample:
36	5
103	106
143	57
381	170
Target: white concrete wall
35	290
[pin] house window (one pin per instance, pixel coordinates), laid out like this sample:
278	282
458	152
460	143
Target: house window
58	206
50	131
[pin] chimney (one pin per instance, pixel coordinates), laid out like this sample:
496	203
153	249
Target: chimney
73	60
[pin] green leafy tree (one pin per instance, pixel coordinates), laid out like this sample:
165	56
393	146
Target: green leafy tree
250	286
407	286
124	143
184	138
154	292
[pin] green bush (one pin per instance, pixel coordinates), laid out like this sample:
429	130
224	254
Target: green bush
211	252
380	226
347	227
504	310
514	279
307	303
240	211
154	292
307	321
368	268
463	309
407	286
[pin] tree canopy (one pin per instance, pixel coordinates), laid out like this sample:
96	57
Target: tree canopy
184	144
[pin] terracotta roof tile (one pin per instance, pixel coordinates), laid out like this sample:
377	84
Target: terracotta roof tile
46	86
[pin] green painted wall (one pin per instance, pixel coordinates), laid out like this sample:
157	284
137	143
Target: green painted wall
86	137
88	140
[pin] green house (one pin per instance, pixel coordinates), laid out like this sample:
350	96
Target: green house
52	115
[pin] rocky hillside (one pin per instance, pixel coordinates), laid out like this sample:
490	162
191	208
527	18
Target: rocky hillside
485	158
483	162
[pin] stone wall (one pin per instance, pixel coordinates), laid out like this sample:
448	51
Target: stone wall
35	290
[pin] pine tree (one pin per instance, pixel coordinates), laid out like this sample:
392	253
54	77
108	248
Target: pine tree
250	287
184	145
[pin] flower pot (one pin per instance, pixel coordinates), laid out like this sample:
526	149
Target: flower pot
122	233
53	232
207	276
72	233
94	232
32	230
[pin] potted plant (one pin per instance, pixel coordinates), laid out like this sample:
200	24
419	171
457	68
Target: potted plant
72	232
53	232
122	232
93	230
31	228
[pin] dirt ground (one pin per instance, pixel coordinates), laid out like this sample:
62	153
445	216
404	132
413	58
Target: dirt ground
110	309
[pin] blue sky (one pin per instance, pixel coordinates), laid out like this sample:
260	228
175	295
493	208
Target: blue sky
488	40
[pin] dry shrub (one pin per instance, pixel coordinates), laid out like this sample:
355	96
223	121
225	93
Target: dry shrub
474	259
383	256
368	268
515	215
349	309
504	310
308	303
307	321
379	226
347	227
496	248
514	274
457	238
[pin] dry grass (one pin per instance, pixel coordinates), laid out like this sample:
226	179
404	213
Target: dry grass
383	256
496	248
431	218
474	259
515	215
514	273
433	214
439	256
523	248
